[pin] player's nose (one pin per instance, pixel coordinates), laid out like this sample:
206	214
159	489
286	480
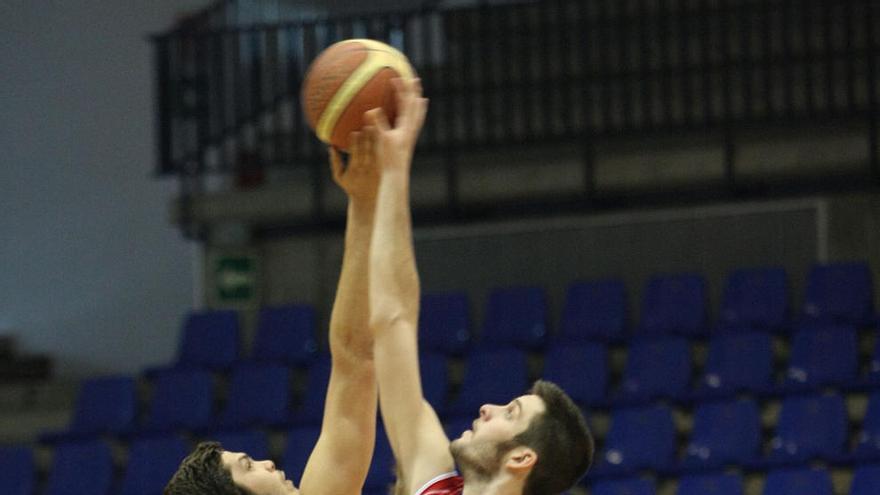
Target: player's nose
269	465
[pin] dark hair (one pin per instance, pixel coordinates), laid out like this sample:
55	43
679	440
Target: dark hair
202	473
561	438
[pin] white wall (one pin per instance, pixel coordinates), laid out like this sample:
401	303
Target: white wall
92	271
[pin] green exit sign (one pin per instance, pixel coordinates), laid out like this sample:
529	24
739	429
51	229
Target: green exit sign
235	279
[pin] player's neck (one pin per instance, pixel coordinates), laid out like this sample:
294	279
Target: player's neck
502	484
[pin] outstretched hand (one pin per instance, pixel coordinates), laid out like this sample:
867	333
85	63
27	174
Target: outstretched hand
359	178
394	146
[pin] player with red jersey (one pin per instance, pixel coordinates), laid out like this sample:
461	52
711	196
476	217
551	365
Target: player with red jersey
537	444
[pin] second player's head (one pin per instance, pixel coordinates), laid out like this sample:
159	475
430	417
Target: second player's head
541	437
210	470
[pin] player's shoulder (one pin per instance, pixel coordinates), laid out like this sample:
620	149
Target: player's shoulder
444	484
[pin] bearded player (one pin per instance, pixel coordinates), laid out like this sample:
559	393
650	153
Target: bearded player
537	444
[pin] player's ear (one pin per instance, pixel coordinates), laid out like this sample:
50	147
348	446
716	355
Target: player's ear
521	460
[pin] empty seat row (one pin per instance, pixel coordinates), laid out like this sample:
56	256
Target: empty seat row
790	481
672	304
260	394
724	434
87	467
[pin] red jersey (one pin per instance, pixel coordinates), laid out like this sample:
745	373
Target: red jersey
445	484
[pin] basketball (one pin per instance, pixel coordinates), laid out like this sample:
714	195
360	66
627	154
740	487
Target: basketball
347	79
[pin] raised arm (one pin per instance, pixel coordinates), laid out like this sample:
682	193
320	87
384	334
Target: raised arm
420	445
341	458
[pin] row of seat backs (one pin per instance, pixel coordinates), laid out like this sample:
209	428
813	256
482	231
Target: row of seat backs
809	427
656	368
755	298
87	468
791	481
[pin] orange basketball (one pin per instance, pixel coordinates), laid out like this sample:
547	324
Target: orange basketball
347	79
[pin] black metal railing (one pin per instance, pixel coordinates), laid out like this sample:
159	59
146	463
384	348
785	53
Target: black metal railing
532	72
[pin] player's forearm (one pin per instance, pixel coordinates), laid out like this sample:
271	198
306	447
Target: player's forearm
394	282
349	332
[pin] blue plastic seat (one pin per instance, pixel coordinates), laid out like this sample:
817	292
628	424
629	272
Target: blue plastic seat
84	468
799	481
491	376
633	486
639	438
724	433
755	298
811	427
259	395
821	356
866	480
594	310
286	335
151	463
516	317
253	442
711	484
311	407
105	405
210	340
300	443
182	399
675	304
580	369
868	440
435	379
445	323
737	362
840	293
18	473
381	472
655	368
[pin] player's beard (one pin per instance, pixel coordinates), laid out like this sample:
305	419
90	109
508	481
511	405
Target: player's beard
480	460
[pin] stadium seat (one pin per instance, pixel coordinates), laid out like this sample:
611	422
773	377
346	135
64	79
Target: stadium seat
105	405
822	356
580	369
755	298
737	362
868	440
655	368
711	484
798	481
381	472
300	443
253	442
866	480
674	304
723	433
812	427
491	377
18	473
81	469
435	379
445	323
639	438
182	399
151	463
286	335
209	340
839	293
594	310
515	317
311	407
259	395
634	486
456	426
